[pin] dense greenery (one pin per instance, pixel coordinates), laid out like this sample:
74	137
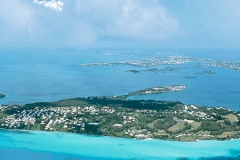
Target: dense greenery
121	117
165	123
120	101
210	126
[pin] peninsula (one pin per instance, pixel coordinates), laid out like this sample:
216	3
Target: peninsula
158	90
121	117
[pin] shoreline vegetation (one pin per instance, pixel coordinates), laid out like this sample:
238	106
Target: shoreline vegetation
117	116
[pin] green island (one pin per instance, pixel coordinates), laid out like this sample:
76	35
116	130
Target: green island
2	95
118	116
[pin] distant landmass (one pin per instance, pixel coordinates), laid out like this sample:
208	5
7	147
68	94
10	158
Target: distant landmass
158	90
2	95
156	70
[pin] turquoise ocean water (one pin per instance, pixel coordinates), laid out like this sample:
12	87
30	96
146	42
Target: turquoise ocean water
48	145
33	75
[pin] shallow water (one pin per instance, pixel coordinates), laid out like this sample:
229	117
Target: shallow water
50	145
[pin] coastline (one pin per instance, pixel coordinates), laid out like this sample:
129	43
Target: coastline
119	117
22	131
177	149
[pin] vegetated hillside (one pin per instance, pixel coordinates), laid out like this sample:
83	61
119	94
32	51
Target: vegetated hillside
120	117
110	101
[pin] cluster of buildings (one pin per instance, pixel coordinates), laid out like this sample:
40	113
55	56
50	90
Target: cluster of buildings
146	111
156	90
152	61
138	134
189	134
170	59
48	118
76	117
2	108
192	110
218	63
18	119
129	119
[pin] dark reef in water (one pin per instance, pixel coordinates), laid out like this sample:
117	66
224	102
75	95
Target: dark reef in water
2	95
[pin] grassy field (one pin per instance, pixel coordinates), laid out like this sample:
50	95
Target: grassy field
195	125
232	118
176	127
226	134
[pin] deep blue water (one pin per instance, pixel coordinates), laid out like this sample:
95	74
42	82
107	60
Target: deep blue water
32	75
